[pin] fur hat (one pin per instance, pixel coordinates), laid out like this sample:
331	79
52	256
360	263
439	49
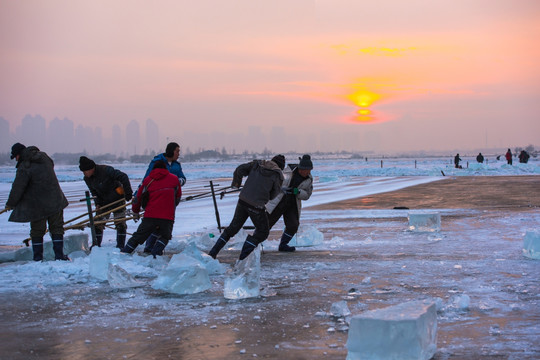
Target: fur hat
305	163
86	163
16	149
280	161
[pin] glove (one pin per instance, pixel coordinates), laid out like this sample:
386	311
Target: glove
136	217
128	196
295	191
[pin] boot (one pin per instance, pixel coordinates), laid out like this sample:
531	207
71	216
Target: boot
130	246
37	248
58	247
283	245
120	238
159	247
247	248
99	237
150	242
220	243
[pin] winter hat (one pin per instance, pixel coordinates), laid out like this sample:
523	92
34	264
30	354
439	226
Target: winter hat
305	163
86	163
16	150
169	151
280	161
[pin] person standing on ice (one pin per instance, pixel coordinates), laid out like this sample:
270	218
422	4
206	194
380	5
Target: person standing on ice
508	157
170	158
36	197
297	186
107	185
480	158
164	193
264	180
457	159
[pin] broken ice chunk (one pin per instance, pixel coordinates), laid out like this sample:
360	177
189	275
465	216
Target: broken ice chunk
340	309
244	280
120	278
424	221
183	275
307	236
401	332
531	245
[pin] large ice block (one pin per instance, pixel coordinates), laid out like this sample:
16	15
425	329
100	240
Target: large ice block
424	221
307	236
100	257
213	266
244	280
407	331
183	275
531	245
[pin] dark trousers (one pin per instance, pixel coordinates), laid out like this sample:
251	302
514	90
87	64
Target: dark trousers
38	228
258	218
162	228
289	211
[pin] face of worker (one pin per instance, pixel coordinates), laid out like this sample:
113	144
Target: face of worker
176	154
89	173
304	172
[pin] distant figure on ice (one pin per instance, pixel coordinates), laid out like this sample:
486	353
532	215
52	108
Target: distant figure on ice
457	159
263	184
170	158
159	194
480	158
297	186
508	157
36	197
523	157
107	186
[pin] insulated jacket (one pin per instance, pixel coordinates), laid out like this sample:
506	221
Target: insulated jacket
35	193
174	168
104	182
305	188
263	182
164	195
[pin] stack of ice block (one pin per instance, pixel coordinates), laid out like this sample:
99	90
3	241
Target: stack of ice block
406	331
424	221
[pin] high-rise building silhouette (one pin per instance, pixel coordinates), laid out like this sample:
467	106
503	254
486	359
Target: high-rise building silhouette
32	131
60	136
5	136
133	138
116	139
152	136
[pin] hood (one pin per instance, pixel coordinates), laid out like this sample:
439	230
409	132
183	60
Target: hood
158	174
271	166
31	154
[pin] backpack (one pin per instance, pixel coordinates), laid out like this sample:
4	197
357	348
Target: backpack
145	196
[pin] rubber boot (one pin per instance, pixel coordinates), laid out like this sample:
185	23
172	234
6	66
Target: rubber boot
58	247
99	237
283	245
130	246
37	248
150	242
120	238
220	243
247	248
159	247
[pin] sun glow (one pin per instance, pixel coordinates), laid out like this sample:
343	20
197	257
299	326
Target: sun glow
364	98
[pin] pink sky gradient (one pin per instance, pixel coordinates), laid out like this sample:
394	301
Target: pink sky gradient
449	74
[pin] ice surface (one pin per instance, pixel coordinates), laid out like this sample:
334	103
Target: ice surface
307	235
424	221
120	278
213	266
340	309
405	331
244	279
100	257
183	275
531	245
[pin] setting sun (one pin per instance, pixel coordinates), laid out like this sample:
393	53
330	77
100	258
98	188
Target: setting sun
364	98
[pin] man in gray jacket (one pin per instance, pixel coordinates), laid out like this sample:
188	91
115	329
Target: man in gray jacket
297	186
263	184
36	197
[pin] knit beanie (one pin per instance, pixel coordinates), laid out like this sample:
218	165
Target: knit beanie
280	161
305	163
16	149
86	163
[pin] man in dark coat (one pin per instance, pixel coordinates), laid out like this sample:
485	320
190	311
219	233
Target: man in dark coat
457	159
107	185
263	184
297	186
164	193
36	197
480	158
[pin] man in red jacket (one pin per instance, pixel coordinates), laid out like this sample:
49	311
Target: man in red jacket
163	195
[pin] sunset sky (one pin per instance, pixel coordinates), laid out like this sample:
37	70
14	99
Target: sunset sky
383	75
